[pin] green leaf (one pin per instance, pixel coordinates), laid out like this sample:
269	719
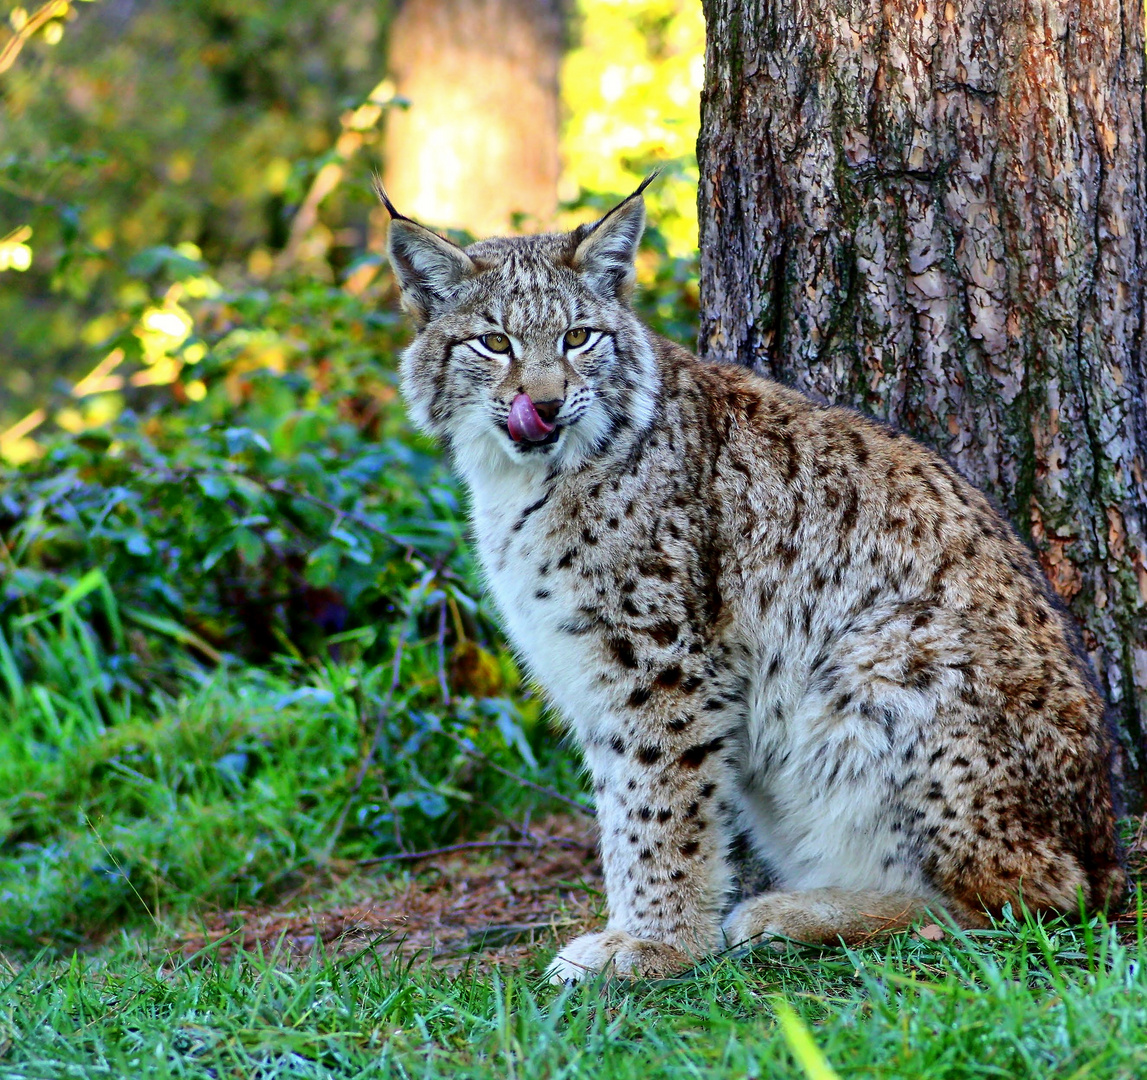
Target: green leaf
172	629
250	546
213	486
92	580
323	564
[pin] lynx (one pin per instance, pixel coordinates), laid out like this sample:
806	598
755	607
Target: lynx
820	686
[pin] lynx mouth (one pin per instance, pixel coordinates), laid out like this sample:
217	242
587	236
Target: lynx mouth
525	446
545	443
526	424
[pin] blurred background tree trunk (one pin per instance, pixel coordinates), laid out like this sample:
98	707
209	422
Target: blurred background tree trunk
936	211
478	147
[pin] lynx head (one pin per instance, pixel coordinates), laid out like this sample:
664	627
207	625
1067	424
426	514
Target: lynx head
528	354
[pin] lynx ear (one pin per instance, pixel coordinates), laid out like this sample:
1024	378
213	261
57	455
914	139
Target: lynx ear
428	267
606	249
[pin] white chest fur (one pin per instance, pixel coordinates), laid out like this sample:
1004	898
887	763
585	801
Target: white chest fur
537	600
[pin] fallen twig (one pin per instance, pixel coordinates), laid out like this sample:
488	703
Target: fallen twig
473	845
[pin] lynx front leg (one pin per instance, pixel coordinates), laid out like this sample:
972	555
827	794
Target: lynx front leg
663	812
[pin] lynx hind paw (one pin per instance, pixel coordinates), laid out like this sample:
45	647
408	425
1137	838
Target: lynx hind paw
618	953
753	922
820	916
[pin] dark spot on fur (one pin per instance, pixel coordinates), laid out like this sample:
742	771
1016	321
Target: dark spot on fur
639	697
623	652
530	509
695	755
649	755
670	677
851	511
658	568
664	633
859	446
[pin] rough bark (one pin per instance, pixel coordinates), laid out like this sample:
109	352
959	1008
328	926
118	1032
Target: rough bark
478	147
936	211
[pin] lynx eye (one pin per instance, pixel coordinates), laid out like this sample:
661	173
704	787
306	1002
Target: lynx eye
577	337
498	343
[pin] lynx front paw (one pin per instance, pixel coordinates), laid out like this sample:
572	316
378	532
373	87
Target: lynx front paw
621	953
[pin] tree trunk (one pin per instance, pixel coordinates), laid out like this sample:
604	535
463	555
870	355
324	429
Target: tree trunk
936	211
478	147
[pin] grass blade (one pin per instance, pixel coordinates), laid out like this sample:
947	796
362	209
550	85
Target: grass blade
801	1043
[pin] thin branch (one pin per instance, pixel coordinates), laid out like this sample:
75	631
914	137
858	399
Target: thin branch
549	792
445	686
376	739
277	487
384	708
395	817
473	845
53	9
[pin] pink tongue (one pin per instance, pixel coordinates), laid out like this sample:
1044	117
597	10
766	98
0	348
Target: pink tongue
524	421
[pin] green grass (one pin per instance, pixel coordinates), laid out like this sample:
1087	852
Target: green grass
240	788
1024	1001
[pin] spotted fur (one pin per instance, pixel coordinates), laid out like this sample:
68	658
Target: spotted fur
801	655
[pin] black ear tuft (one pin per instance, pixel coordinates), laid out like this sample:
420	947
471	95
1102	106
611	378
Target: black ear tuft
380	191
429	268
607	248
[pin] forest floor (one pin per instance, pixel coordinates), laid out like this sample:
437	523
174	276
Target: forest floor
507	901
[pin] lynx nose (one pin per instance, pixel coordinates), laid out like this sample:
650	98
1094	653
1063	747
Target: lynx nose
548	410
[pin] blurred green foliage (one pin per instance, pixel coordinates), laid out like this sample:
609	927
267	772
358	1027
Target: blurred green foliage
632	85
186	121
